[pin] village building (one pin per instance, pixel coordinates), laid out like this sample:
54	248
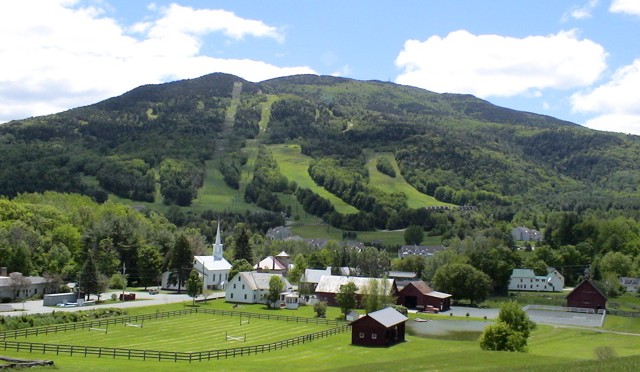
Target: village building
522	233
311	277
402	278
279	233
587	296
280	263
380	328
251	287
32	286
213	269
329	287
419	250
630	284
527	280
418	295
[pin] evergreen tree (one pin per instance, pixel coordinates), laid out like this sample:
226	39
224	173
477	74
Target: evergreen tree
181	262
242	246
88	280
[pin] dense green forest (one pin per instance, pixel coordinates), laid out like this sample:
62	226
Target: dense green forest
149	146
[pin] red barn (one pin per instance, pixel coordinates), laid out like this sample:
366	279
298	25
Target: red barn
419	295
586	295
380	328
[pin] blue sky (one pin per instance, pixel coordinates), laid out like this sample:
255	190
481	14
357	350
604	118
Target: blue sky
575	60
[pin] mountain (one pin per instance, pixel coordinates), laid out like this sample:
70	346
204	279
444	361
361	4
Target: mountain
157	143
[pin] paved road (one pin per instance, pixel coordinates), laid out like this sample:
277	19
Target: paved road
145	299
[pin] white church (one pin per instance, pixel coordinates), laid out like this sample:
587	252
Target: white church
213	269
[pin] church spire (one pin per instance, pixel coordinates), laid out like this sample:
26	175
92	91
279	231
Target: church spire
217	246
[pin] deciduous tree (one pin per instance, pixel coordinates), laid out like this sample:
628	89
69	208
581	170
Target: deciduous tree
346	297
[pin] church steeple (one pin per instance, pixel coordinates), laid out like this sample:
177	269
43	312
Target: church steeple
217	246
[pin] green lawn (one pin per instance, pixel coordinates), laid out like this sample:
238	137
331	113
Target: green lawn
211	330
415	199
294	165
550	348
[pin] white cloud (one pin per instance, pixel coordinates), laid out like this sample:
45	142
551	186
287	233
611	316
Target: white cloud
625	6
58	54
581	12
493	65
616	102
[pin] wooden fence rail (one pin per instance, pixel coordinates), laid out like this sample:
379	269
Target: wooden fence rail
107	352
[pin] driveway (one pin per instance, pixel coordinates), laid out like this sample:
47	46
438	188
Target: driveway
142	299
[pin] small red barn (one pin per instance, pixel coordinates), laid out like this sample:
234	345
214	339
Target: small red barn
380	328
586	295
419	295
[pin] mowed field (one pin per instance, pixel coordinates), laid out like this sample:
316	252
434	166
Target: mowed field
415	199
294	165
184	333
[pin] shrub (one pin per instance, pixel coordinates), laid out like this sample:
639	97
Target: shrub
603	353
320	309
500	337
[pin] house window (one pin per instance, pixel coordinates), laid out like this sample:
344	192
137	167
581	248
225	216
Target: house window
245	296
243	286
361	335
232	295
234	286
374	336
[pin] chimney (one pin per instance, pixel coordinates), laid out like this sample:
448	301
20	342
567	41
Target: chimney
3	271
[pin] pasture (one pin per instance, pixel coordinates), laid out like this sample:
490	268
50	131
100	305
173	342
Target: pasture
415	199
183	333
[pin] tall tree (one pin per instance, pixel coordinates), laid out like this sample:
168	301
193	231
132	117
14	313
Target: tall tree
194	285
371	295
413	235
346	297
149	265
18	283
88	280
181	262
462	281
242	245
276	284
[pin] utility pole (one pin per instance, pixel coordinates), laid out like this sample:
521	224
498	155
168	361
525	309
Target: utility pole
124	284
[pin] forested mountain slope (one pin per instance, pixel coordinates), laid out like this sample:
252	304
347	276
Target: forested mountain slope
456	148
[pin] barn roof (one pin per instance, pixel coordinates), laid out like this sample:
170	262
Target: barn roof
332	283
438	294
586	282
388	317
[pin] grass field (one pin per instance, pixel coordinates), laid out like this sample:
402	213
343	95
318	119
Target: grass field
415	199
294	165
211	331
217	196
550	348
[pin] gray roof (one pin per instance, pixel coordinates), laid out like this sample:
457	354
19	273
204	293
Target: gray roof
332	283
313	275
256	280
388	317
401	274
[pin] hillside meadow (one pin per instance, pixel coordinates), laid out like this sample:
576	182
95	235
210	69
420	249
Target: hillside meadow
550	349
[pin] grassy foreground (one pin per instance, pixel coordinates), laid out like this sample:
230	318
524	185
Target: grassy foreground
550	349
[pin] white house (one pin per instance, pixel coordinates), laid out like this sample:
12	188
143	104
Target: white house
213	269
527	280
251	287
630	284
525	234
33	286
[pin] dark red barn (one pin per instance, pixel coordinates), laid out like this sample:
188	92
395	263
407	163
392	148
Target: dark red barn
587	296
419	295
380	328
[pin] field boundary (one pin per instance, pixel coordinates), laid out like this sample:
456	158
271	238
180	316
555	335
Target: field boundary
156	355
